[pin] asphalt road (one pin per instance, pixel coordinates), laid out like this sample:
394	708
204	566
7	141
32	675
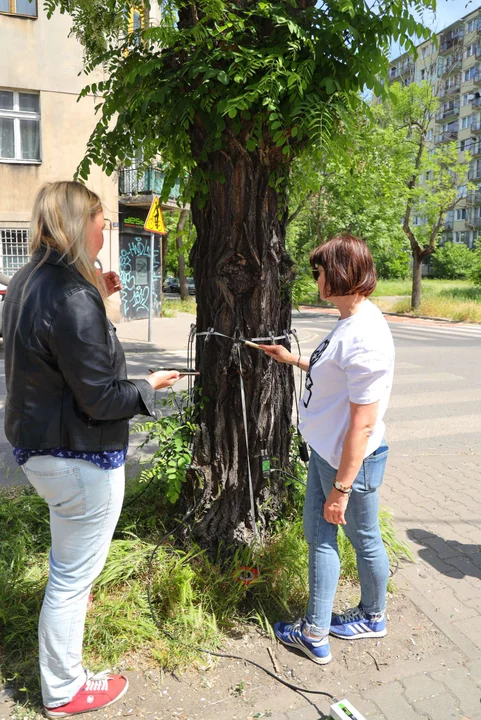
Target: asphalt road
436	402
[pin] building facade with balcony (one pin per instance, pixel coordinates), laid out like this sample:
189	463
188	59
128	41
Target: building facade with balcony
453	67
43	137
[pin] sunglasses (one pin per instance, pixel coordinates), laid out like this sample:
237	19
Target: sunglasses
315	273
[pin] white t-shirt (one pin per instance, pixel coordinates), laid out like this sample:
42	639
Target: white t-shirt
354	363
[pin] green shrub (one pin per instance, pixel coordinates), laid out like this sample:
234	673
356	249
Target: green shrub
453	261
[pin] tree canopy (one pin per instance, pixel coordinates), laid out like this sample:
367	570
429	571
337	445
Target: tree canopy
272	75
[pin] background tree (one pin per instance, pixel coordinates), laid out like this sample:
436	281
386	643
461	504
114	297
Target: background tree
232	91
181	235
434	175
358	186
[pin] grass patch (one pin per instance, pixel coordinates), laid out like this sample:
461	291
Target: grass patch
443	307
171	308
198	598
451	299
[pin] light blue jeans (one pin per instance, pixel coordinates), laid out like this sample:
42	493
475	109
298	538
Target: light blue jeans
85	503
362	529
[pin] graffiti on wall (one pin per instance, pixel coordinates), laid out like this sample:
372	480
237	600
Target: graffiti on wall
134	275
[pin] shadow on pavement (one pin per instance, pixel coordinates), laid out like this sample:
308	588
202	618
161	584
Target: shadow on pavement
463	559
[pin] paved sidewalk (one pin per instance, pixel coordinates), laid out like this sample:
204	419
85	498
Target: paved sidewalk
437	508
167	333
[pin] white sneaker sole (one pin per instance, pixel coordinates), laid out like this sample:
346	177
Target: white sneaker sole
372	634
50	712
302	648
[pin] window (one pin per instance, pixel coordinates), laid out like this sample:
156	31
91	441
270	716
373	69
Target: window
473	25
430	134
19	7
466	122
470	73
14	250
469	51
19	126
461	214
459	237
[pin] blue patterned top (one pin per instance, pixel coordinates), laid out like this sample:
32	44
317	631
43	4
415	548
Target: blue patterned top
107	460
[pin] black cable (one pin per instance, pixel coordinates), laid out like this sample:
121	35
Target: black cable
134	500
228	656
289	475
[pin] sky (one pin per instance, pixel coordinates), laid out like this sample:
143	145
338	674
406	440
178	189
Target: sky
448	11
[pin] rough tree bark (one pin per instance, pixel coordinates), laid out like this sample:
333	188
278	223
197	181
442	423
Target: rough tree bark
242	274
417	278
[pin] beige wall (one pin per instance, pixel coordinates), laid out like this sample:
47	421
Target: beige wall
38	55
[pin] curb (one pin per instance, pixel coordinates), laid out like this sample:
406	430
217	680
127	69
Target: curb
131	347
329	311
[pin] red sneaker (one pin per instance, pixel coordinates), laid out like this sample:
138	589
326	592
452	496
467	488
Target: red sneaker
98	692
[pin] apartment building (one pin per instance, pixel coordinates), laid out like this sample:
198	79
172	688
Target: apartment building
453	67
43	137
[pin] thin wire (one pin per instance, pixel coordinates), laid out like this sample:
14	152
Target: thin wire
249	473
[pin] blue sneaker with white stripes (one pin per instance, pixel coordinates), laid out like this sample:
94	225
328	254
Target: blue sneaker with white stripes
355	624
292	635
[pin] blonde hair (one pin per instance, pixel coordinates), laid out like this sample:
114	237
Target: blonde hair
60	219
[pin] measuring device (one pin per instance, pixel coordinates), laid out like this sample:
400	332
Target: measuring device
182	371
344	710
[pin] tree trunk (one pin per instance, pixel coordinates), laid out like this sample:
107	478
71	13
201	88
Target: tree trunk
184	288
243	279
417	277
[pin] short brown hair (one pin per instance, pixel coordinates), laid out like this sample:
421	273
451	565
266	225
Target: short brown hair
347	264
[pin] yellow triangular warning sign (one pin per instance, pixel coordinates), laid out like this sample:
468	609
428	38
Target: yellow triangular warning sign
155	221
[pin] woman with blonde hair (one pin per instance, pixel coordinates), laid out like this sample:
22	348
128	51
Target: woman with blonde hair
67	411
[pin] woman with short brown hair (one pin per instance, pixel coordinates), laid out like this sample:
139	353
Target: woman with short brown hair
348	384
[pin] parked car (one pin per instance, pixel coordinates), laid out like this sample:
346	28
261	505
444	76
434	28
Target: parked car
191	285
4	279
171	285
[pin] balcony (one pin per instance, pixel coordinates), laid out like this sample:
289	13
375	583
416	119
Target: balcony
474	175
447	113
450	91
474	149
473	222
473	198
447	136
449	43
452	64
448	226
476	79
138	187
476	102
476	128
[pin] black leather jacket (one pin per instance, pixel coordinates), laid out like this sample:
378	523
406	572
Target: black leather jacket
65	368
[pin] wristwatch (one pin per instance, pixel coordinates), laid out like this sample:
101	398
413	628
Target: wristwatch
342	488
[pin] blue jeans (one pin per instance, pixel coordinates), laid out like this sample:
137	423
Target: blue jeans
362	529
85	503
